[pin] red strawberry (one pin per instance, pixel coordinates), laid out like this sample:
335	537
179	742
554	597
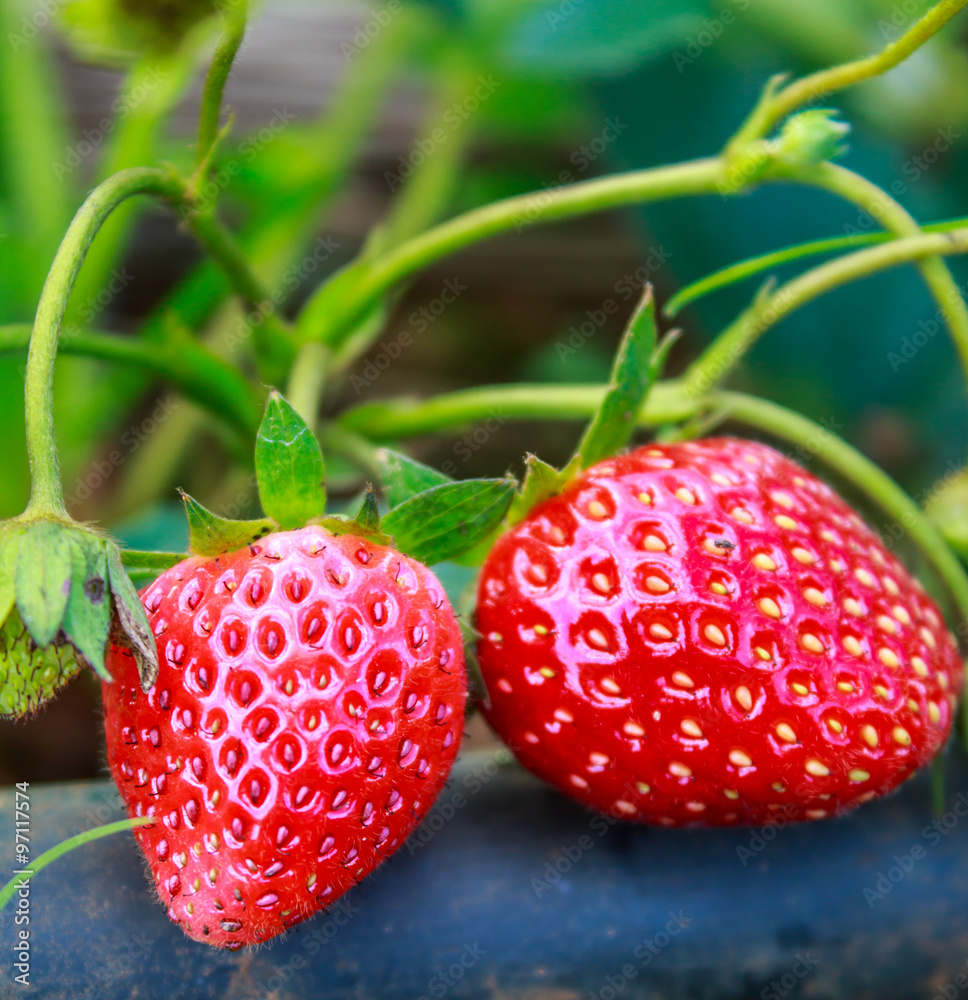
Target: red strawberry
706	633
307	712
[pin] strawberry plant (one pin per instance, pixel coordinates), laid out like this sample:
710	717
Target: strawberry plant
693	630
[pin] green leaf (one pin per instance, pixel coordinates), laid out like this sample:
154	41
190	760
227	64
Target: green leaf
132	621
446	520
289	466
42	579
404	477
211	535
632	377
87	623
145	567
599	37
541	481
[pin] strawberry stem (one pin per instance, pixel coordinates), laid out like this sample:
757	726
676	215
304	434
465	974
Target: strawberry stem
228	46
671	402
778	102
65	847
46	495
774	305
733	274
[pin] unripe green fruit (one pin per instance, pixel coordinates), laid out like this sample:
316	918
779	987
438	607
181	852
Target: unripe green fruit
30	676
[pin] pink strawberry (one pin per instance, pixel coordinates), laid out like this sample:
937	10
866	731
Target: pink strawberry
705	633
308	709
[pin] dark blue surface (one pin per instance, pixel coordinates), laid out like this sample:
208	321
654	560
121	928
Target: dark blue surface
472	910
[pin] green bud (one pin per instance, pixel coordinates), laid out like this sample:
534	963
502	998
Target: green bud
811	137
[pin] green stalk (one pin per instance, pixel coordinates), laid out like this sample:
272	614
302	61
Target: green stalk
319	322
66	846
200	375
392	420
229	43
733	274
721	356
46	496
776	103
894	217
668	402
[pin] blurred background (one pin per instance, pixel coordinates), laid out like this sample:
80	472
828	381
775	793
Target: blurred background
402	112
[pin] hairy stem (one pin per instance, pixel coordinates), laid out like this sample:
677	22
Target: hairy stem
46	496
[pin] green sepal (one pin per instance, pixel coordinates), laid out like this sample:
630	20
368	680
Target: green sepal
448	520
211	535
404	477
632	376
661	354
133	629
289	466
87	621
368	516
365	523
145	567
42	579
8	562
541	482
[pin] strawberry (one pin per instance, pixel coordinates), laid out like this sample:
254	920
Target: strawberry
704	633
308	709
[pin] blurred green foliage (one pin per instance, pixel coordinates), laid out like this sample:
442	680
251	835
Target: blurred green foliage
681	75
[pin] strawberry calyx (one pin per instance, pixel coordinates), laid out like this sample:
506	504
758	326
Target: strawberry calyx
639	363
64	595
430	516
